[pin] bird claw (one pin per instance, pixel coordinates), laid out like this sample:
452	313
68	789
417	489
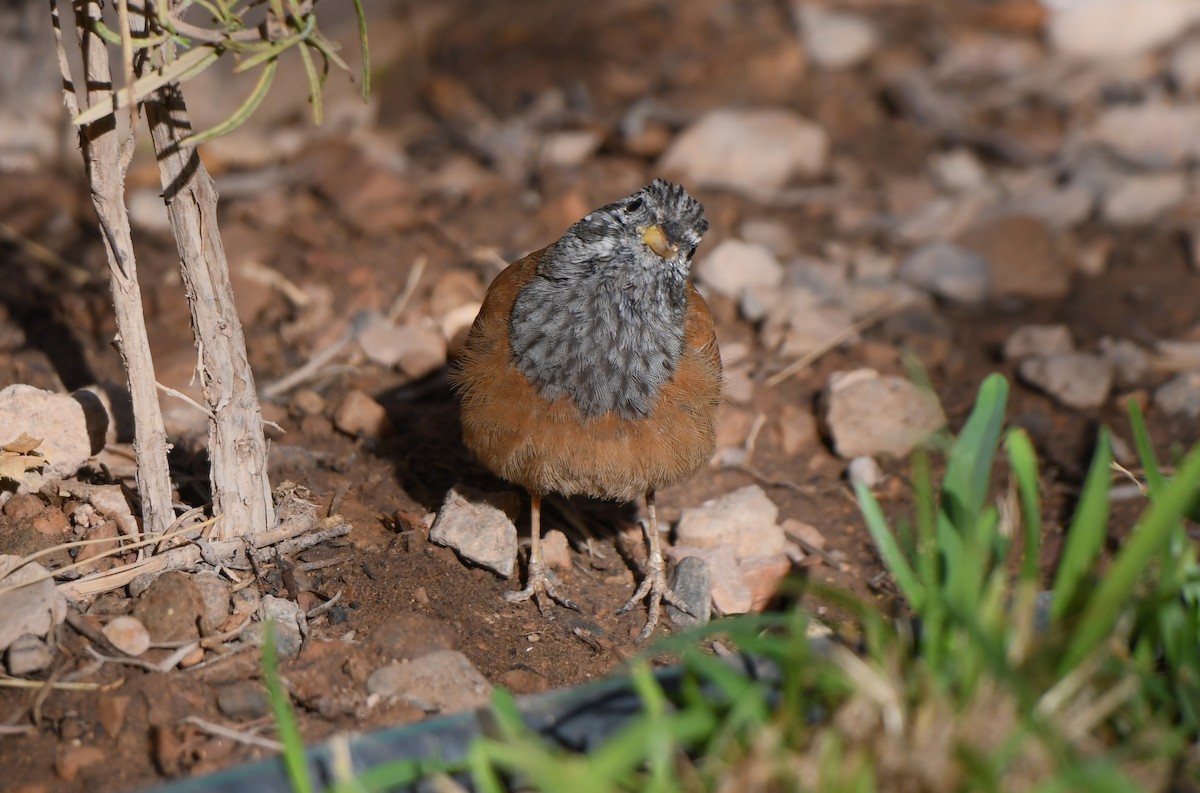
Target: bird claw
539	588
654	591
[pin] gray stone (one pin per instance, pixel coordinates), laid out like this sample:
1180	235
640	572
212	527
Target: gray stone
957	171
1180	396
868	413
1150	135
214	593
291	626
753	151
408	634
949	271
28	654
1030	340
243	700
730	595
743	519
835	39
440	682
1129	361
34	609
479	527
691	586
734	266
1073	379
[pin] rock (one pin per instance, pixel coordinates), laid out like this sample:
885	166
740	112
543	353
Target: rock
730	595
1152	135
454	289
797	325
743	519
806	532
416	349
359	414
1130	362
774	235
1118	29
835	39
569	148
1180	396
1023	255
291	626
556	551
868	413
752	151
73	759
171	608
128	635
479	527
524	681
1073	379
306	402
738	386
1030	340
214	592
58	420
949	271
52	522
35	609
105	530
797	429
1175	355
735	266
23	507
865	471
441	682
691	584
762	575
28	654
407	634
1143	198
243	700
957	171
1184	66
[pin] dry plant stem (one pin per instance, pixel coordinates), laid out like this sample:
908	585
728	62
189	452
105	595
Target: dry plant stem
106	165
238	736
237	448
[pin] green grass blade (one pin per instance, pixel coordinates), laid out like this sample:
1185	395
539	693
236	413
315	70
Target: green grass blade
1149	536
285	722
1023	461
314	84
889	549
1145	449
969	470
1089	527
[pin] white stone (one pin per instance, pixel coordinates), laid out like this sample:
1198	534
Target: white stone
1075	380
734	266
1129	361
1037	340
1150	135
835	39
35	608
752	151
864	470
128	635
1144	198
1117	29
58	420
443	681
868	413
1180	395
743	519
479	527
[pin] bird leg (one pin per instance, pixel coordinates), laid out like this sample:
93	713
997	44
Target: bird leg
654	585
538	585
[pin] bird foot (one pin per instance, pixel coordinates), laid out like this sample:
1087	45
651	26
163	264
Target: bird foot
654	591
539	588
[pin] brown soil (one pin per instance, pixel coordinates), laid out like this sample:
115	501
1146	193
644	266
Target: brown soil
691	56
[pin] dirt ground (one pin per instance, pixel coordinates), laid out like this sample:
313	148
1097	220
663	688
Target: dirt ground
331	219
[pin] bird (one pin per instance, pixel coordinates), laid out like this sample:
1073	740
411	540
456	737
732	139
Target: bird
593	369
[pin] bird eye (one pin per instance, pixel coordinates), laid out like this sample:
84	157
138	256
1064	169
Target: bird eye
634	205
692	251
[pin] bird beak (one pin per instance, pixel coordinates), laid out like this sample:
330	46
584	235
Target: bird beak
656	240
